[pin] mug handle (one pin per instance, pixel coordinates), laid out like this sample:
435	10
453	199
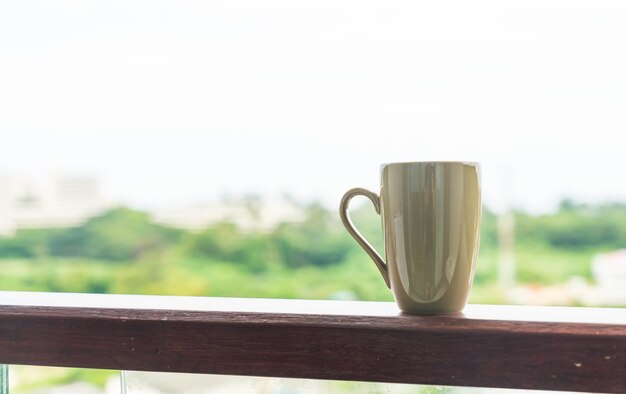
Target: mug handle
347	222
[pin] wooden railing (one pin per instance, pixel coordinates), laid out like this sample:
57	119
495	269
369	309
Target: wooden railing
553	348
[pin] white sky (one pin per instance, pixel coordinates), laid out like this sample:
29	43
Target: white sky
176	101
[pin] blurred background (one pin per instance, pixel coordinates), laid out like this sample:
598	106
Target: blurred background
201	148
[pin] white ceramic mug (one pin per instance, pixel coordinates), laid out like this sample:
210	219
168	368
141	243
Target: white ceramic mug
430	213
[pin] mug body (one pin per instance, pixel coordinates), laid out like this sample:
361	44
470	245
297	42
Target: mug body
430	215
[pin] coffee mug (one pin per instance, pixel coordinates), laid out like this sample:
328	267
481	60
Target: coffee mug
430	213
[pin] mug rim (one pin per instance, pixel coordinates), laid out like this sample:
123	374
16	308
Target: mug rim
468	163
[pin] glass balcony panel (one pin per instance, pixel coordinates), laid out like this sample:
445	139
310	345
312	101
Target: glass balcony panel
134	382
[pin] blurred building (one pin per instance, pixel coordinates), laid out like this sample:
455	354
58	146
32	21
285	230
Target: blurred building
609	272
58	201
247	213
69	200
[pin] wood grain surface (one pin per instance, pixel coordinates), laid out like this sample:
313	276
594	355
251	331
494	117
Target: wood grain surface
571	349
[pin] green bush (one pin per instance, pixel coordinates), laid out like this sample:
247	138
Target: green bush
27	243
316	241
575	227
117	235
225	242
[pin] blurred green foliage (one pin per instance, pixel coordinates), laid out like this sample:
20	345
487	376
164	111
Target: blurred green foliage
120	234
576	227
123	251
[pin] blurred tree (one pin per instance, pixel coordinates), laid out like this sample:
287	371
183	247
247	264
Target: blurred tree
318	240
118	234
224	241
26	243
576	226
488	230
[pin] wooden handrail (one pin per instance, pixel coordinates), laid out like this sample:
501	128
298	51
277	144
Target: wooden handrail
553	348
